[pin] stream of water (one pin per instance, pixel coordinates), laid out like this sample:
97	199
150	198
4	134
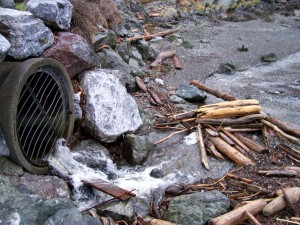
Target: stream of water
139	181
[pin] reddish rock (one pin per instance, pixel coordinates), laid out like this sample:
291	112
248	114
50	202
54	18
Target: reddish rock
72	51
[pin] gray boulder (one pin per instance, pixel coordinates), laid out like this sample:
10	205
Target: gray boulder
4	48
77	108
7	4
109	59
197	208
191	93
110	110
28	35
72	51
124	50
137	56
54	13
136	148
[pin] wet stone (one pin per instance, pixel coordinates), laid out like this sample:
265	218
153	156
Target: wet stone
197	208
271	57
177	100
147	52
227	68
136	148
190	93
157	173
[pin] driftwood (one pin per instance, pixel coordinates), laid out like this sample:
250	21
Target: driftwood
153	221
140	83
284	127
229	112
289	150
251	144
203	155
212	149
234	130
289	202
254	188
279	203
211	132
154	96
162	56
232	176
252	218
227	139
212	91
171	135
232	104
232	121
276	129
148	37
230	152
288	221
238	215
236	140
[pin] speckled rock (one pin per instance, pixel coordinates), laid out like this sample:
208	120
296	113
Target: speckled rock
190	93
4	47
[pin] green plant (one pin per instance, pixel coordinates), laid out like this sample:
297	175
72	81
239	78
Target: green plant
21	6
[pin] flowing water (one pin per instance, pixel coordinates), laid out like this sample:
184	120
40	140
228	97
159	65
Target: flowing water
140	182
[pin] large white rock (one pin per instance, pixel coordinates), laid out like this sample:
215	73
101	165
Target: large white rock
110	110
28	35
4	47
54	13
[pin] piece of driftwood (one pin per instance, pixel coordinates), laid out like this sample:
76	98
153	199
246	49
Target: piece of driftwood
171	135
284	127
230	152
255	188
288	202
109	188
252	218
232	121
203	154
279	203
231	104
140	83
211	132
229	112
227	139
294	218
210	147
234	130
251	144
276	129
148	37
162	56
235	139
288	221
289	150
278	173
154	96
294	168
212	91
237	215
184	115
176	62
154	221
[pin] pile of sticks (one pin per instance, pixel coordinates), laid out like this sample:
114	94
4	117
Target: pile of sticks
219	126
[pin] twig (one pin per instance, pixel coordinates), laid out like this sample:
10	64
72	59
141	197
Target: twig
288	221
140	83
155	97
252	218
202	147
210	146
232	176
275	128
171	135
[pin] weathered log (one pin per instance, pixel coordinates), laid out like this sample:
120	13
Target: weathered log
212	91
252	218
278	173
230	152
203	155
279	203
227	139
210	146
148	37
235	139
253	145
276	129
232	121
231	104
284	127
140	83
237	215
162	56
229	112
